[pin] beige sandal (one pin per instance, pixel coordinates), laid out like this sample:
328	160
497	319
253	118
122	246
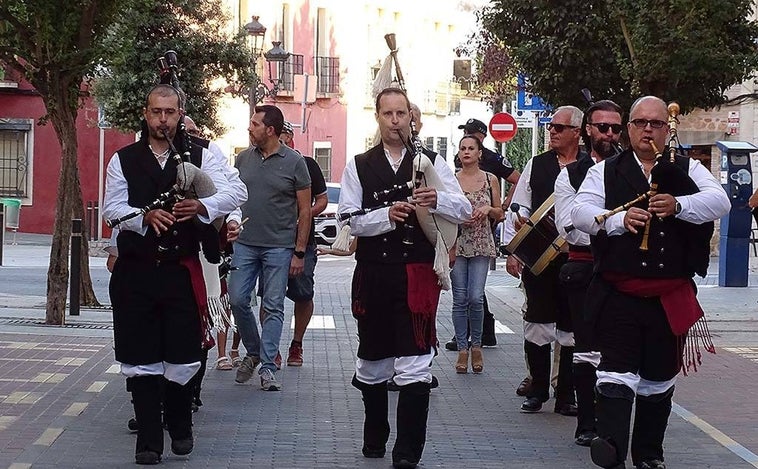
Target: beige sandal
234	355
224	364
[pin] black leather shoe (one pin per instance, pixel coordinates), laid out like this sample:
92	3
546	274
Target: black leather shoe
569	410
183	446
531	405
374	453
604	454
452	345
585	438
525	386
404	464
652	464
147	457
435	383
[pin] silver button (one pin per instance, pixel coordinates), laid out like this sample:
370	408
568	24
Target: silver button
644	264
405	254
660	266
384	240
661	234
384	254
176	248
174	232
661	250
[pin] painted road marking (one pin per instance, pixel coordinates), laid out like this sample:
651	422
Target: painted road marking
71	361
20	465
317	322
97	386
6	420
49	436
75	409
114	369
501	328
716	434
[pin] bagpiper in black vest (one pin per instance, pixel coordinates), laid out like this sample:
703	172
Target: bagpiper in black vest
376	175
676	248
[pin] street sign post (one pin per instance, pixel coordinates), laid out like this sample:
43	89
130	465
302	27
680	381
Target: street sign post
503	127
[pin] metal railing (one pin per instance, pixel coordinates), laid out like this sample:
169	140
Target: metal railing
291	67
328	72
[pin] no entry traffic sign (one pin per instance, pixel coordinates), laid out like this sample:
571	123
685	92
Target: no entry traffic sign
503	127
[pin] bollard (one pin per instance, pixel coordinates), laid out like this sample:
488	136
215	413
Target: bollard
74	280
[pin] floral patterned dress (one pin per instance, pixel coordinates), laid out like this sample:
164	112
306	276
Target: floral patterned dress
477	240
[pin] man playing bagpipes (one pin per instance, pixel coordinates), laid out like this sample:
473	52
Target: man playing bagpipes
157	291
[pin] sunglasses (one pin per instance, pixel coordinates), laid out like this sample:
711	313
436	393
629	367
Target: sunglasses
560	127
642	123
603	127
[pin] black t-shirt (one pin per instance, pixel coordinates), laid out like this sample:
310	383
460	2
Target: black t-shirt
318	186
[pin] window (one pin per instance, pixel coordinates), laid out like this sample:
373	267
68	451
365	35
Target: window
327	68
322	153
292	66
442	146
429	143
15	157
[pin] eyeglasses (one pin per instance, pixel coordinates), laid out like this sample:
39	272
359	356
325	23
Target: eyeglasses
560	127
642	123
602	127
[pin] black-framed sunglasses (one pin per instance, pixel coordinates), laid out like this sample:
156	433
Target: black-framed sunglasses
602	127
642	123
560	127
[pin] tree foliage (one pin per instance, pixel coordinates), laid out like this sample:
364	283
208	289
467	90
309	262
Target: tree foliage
493	74
55	45
206	52
690	51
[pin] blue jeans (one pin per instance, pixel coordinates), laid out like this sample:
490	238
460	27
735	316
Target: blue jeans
469	275
272	265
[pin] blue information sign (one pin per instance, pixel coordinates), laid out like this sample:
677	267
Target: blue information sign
525	99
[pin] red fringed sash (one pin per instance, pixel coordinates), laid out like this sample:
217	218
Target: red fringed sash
423	298
192	264
682	311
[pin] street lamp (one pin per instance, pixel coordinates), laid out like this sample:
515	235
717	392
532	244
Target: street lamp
275	59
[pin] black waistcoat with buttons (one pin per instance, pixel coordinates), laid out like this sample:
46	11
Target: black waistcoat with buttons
375	175
675	248
545	169
146	181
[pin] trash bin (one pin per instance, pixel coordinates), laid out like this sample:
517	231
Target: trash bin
12	215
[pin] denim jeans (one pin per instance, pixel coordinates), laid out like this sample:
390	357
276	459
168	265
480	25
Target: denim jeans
272	265
468	277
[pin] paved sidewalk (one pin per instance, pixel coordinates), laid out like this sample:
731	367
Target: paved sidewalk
63	405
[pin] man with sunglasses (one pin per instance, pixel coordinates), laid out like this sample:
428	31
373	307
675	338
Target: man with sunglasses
642	301
547	318
601	135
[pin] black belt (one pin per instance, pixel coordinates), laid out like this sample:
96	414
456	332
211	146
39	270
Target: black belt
578	248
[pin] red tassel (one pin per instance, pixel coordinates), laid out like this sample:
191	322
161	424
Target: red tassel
699	334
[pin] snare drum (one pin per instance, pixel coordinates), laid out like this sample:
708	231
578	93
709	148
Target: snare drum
537	242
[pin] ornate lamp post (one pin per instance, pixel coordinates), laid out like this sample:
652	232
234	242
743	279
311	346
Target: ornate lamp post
275	59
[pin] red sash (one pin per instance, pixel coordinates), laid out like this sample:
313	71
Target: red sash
192	264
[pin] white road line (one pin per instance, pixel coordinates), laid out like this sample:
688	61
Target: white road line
501	328
113	369
728	443
49	436
49	378
75	409
317	322
97	386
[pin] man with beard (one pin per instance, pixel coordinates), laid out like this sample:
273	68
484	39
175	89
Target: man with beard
157	316
547	318
602	132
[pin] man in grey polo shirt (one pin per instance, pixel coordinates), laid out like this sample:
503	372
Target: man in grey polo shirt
278	210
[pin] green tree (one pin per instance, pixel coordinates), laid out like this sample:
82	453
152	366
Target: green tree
690	51
56	45
206	52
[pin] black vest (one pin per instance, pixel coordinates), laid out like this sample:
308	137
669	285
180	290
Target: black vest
577	170
376	175
146	181
675	248
545	170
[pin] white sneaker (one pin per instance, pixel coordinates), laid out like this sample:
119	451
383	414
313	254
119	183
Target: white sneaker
269	382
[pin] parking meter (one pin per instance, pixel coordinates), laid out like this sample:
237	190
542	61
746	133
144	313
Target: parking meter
737	180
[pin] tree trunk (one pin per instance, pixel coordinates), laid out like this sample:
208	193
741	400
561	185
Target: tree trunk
86	293
69	203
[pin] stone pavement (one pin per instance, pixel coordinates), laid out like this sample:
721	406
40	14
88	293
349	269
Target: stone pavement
63	403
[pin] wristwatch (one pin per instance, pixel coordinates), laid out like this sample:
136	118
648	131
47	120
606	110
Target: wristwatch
677	208
299	254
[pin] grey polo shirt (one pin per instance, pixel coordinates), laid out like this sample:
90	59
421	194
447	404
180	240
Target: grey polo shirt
272	185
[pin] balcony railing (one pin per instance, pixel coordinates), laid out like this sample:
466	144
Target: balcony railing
328	72
291	67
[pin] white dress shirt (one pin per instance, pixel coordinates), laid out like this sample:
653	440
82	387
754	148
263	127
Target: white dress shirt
452	204
707	205
564	200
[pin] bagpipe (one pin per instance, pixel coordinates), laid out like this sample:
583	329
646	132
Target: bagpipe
440	232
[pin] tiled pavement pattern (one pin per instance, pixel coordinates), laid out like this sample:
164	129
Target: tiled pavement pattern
316	420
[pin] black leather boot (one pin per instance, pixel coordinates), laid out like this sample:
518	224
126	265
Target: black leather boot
488	327
651	418
538	358
585	377
376	427
146	396
412	413
565	400
178	414
613	413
